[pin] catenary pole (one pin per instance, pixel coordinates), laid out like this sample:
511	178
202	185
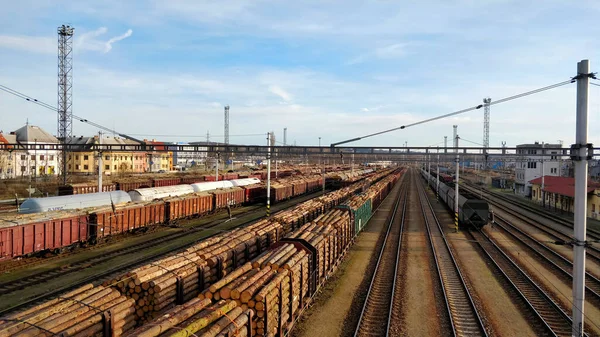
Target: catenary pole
437	180
457	176
100	163
269	174
580	157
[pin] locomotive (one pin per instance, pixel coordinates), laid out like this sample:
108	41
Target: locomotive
472	211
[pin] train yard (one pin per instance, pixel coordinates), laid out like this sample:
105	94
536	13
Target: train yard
386	240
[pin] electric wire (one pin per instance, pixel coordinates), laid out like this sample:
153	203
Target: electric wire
502	100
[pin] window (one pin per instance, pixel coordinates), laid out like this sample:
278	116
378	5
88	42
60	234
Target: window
69	157
594	208
76	157
106	157
77	167
86	157
41	157
85	167
107	167
52	157
69	166
121	157
534	193
22	168
33	169
32	157
115	167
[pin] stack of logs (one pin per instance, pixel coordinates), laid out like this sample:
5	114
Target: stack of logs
173	280
275	285
82	312
201	318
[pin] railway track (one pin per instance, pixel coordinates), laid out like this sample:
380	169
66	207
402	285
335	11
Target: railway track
464	317
558	262
377	309
592	253
36	280
550	317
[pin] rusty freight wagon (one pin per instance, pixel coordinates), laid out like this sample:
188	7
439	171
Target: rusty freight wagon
133	185
189	205
166	182
255	193
281	191
83	188
34	233
233	196
106	222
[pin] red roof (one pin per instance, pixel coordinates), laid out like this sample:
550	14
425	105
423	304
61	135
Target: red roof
562	185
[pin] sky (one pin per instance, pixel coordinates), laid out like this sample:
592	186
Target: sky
329	69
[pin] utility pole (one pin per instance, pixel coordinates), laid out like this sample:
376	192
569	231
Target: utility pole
542	189
457	177
284	136
580	157
437	180
269	174
65	99
560	158
486	128
321	166
217	167
100	163
226	141
206	154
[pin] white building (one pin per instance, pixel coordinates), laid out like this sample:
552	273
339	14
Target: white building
192	158
40	161
530	166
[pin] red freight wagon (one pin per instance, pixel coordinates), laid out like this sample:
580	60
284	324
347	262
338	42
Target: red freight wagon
132	185
230	176
188	206
166	182
233	196
84	188
36	233
299	187
105	222
212	177
280	192
192	180
255	193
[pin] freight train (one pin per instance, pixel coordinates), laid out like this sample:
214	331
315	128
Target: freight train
27	234
472	210
280	266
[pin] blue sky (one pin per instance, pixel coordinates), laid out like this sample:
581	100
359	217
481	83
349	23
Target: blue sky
330	69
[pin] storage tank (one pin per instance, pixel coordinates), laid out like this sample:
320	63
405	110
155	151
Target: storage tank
245	181
37	205
151	193
211	185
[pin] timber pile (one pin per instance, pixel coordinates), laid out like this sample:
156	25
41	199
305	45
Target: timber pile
201	318
330	234
274	285
162	284
295	217
77	313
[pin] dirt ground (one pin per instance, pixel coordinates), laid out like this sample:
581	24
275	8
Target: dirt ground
502	316
336	310
417	280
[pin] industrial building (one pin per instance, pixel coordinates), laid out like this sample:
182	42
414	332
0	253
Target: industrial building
529	166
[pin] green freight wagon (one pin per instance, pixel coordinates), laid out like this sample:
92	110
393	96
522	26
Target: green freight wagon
360	215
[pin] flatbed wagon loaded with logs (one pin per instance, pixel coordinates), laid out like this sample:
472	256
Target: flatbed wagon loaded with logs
253	281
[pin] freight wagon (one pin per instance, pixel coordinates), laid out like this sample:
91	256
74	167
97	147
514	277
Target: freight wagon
71	228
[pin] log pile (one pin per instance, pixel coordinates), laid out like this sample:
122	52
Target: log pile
81	312
162	284
199	317
274	285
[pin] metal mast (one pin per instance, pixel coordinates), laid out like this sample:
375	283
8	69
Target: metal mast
284	136
65	85
226	141
226	124
486	126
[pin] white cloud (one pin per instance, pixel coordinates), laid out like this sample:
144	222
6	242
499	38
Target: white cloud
116	39
392	51
277	90
35	44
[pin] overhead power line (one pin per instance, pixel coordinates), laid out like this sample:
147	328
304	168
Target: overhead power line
502	100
